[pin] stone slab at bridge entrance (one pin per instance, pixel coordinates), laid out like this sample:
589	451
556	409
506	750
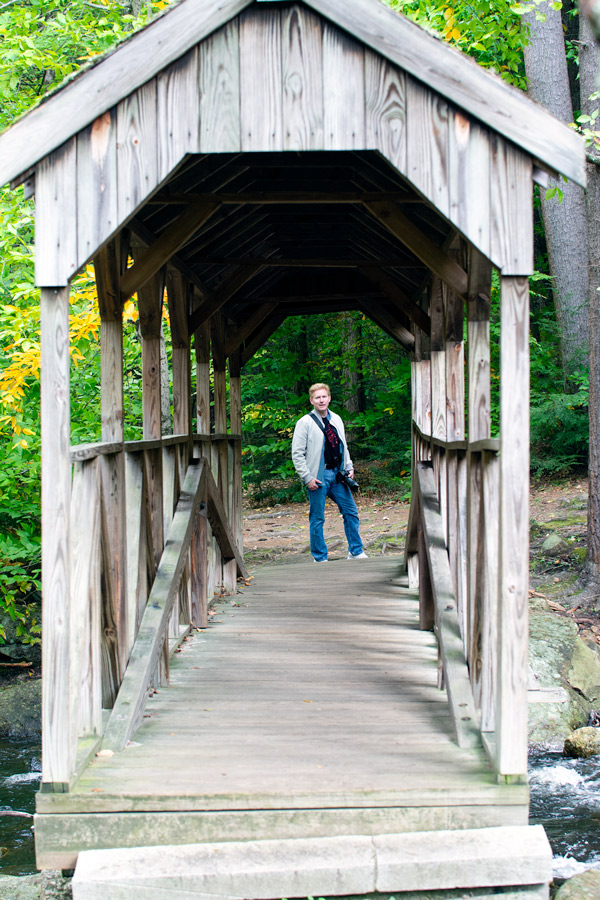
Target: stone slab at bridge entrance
261	160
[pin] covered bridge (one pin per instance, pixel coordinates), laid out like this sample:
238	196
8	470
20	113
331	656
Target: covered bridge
264	159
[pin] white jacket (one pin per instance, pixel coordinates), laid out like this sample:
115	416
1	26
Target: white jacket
307	447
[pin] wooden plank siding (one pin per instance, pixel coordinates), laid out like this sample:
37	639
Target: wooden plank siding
315	89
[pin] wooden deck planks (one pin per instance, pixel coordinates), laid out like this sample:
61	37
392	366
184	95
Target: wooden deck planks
312	688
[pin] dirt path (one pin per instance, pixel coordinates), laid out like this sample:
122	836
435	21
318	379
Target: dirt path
279	534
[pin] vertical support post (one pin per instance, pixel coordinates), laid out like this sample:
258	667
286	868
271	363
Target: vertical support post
438	394
481	602
202	541
426	604
115	612
202	345
511	723
455	459
177	295
235	412
60	688
150	299
220	386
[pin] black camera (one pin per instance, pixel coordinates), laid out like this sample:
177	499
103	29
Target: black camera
342	478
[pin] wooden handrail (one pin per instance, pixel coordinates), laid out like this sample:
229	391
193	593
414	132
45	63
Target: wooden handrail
83	452
492	444
128	709
458	687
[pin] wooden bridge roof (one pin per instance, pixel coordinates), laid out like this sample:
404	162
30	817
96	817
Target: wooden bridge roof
287	158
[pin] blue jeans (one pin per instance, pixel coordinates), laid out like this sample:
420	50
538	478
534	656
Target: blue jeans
316	517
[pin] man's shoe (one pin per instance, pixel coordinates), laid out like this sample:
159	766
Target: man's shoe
320	560
361	555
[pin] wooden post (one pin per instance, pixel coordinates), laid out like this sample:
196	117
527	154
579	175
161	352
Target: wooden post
202	345
513	598
488	573
150	299
235	412
116	635
60	687
426	603
220	382
177	294
455	431
202	542
85	590
479	608
438	394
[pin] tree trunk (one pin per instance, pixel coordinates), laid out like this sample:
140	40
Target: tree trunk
588	74
352	370
564	222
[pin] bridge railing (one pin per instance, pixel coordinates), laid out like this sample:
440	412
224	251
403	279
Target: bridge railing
467	539
152	543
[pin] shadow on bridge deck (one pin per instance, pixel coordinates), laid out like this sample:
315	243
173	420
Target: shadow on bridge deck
308	708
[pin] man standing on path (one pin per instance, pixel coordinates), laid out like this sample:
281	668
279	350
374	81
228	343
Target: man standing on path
319	454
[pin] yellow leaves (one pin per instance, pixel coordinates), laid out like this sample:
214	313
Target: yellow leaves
130	312
450	31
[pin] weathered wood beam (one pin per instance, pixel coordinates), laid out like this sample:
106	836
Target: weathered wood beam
166	245
261	336
321	262
114	605
177	297
299	299
390	324
60	698
221	530
145	237
129	705
274	198
150	301
397	296
202	348
308	309
237	336
219	372
456	675
107	271
230	287
513	600
419	244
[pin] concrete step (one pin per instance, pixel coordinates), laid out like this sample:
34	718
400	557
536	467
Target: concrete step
408	865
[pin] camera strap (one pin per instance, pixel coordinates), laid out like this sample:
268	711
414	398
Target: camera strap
319	423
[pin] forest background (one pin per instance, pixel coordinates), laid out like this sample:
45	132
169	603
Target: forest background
43	41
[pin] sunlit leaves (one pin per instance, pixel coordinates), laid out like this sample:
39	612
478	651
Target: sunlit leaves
489	30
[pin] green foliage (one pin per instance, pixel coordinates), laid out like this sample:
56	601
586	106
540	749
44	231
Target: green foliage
41	42
275	395
491	31
44	41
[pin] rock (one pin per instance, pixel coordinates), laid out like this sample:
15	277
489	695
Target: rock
21	709
554	545
585	886
583	743
553	645
24	887
584	674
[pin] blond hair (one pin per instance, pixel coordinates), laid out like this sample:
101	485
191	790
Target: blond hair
319	386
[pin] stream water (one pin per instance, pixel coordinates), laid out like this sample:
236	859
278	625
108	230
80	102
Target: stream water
20	772
565	799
